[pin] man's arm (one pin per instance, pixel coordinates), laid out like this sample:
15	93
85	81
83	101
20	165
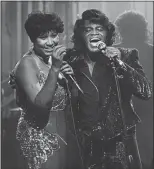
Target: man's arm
135	77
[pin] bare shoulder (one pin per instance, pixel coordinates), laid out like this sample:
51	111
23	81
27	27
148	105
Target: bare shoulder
26	63
26	71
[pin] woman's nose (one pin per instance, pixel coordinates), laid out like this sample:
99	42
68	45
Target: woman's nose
49	41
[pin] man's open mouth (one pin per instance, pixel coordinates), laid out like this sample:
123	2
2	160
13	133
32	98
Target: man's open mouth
94	41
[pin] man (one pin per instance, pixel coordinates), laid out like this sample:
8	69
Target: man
97	110
133	29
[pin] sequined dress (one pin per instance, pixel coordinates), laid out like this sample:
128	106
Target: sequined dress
43	148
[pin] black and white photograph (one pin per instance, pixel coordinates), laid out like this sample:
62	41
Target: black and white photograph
77	84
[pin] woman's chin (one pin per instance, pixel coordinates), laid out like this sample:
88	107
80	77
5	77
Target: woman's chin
48	53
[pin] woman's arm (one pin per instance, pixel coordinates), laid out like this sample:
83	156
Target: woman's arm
26	75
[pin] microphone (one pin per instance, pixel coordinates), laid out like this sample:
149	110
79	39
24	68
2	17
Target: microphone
75	82
102	46
61	76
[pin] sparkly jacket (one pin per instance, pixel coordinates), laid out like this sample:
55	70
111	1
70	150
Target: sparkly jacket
99	104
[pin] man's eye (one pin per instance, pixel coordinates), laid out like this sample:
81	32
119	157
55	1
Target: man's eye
100	29
87	29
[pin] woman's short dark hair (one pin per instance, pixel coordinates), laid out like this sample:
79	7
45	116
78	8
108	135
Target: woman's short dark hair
39	23
132	24
97	17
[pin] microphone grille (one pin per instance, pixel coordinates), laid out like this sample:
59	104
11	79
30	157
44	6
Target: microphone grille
101	45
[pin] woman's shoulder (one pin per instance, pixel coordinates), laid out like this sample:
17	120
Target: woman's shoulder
27	62
24	64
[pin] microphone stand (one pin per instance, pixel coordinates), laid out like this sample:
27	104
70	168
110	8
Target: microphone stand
125	137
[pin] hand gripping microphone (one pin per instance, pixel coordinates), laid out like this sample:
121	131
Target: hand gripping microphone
61	76
102	46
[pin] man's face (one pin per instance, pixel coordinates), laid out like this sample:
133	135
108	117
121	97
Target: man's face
92	34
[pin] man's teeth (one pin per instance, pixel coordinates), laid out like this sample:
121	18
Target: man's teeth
95	38
93	43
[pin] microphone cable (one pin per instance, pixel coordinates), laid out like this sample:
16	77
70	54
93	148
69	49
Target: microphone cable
74	126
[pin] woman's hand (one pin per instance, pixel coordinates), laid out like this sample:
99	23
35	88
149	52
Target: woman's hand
57	56
66	68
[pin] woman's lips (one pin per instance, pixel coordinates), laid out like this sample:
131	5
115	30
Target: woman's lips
48	50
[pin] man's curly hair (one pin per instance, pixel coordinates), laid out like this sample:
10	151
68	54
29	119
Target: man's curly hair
96	17
132	24
39	23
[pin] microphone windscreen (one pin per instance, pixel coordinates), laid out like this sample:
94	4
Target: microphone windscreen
101	45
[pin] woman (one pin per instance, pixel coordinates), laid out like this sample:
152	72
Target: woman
42	94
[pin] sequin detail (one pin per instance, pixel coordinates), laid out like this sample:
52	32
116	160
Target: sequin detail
121	154
59	98
113	123
114	158
38	145
141	87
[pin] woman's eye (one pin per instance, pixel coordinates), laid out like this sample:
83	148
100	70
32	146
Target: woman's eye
43	37
53	35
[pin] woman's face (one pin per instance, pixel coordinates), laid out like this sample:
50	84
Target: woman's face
45	43
92	34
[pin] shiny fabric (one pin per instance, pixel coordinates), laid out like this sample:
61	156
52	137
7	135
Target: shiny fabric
38	144
100	103
97	112
110	154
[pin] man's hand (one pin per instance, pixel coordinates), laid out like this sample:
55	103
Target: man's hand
66	68
112	52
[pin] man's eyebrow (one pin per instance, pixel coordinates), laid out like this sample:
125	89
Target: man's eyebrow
88	27
100	26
